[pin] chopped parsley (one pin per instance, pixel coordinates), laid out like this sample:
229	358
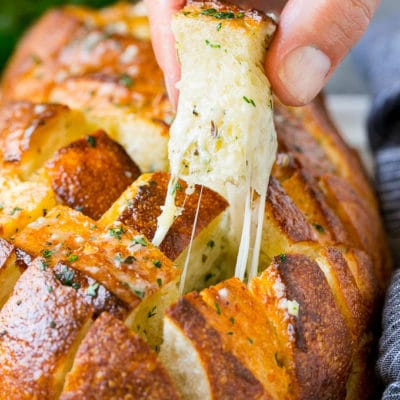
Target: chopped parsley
15	210
232	319
212	12
66	276
91	140
152	312
49	289
47	253
93	227
250	340
212	45
42	265
52	324
176	187
249	101
157	263
92	289
219	26
230	333
126	80
319	228
72	258
140	240
116	232
139	293
217	308
282	257
159	282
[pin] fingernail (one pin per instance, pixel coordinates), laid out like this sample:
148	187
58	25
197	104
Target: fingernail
303	72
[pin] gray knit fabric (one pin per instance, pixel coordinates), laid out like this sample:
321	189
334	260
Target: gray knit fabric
389	360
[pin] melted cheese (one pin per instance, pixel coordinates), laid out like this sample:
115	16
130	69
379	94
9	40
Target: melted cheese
223	135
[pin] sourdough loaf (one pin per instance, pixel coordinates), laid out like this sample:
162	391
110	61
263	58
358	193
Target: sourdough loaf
89	308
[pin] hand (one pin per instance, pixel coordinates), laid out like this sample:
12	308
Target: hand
312	39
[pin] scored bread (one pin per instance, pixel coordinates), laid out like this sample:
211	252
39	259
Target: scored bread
302	329
223	78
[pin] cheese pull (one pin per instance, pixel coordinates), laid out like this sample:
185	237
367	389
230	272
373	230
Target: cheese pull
223	135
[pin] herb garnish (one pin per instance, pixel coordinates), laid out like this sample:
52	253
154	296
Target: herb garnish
157	263
159	282
249	101
319	228
212	45
126	80
217	308
92	289
72	258
116	232
140	240
66	276
15	209
152	312
91	140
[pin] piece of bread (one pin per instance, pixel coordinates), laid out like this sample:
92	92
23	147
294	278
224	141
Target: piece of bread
89	174
141	204
96	372
303	328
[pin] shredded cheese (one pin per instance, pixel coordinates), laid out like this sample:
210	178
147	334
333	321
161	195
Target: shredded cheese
223	135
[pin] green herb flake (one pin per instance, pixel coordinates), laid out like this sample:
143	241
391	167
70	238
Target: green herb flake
92	289
152	312
211	244
116	232
230	333
75	286
91	140
49	289
72	258
140	240
217	308
126	80
249	101
282	257
176	187
47	253
219	26
157	263
52	324
15	210
250	340
240	15
93	227
212	12
212	45
129	260
42	265
66	276
159	282
319	228
232	319
139	293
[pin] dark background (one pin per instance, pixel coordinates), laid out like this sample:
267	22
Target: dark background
17	15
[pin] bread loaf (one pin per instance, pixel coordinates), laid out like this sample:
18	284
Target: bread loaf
89	308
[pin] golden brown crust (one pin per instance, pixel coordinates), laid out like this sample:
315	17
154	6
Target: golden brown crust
140	206
39	326
286	215
91	173
114	363
321	366
228	377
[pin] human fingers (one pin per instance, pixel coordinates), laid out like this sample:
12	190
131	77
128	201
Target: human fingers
312	39
160	14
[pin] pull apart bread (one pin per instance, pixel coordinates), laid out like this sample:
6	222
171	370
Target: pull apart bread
122	278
